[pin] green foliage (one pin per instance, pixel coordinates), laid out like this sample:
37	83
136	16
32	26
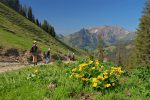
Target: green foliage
48	28
30	15
14	4
37	22
143	38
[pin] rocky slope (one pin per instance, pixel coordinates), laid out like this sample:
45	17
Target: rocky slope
89	38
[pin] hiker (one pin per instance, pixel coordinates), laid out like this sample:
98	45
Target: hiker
73	57
34	52
47	56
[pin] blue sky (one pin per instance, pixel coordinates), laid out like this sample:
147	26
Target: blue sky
68	16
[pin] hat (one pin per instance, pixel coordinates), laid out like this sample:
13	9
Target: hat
34	41
49	49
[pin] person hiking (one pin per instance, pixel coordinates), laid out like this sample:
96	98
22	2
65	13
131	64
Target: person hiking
73	57
34	52
47	56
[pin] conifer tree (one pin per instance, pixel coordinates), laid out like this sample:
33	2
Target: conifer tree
142	43
30	15
45	25
37	22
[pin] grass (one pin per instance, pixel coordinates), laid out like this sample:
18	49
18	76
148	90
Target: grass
18	32
134	85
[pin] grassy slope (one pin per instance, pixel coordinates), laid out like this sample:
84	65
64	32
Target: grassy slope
15	85
18	32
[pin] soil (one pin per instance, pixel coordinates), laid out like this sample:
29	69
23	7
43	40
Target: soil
7	66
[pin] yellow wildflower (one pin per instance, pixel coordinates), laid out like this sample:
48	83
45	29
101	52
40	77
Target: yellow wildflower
81	75
81	66
97	62
71	76
36	71
102	67
105	76
105	72
93	68
84	79
108	85
100	77
95	80
77	75
94	84
112	71
120	72
74	69
90	62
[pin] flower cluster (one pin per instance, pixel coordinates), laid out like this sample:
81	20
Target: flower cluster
97	75
33	74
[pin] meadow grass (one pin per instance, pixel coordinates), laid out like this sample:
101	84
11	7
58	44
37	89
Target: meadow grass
31	83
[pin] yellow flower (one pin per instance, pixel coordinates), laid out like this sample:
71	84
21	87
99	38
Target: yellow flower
90	62
81	75
105	76
95	80
100	77
36	71
108	85
81	66
93	68
94	84
77	75
120	72
84	79
97	62
105	73
71	76
74	69
102	67
112	71
117	70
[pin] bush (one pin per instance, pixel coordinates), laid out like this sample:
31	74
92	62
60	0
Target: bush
99	76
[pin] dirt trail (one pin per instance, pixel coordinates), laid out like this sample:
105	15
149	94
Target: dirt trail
10	66
6	66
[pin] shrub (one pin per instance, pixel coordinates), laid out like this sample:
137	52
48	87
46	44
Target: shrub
99	76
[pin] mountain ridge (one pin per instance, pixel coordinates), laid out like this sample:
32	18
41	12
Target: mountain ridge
89	38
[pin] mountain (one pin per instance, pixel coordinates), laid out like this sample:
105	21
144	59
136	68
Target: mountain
89	38
18	32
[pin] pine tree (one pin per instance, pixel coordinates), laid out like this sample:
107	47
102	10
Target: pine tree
30	15
23	10
33	19
45	25
14	4
37	22
142	43
53	32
